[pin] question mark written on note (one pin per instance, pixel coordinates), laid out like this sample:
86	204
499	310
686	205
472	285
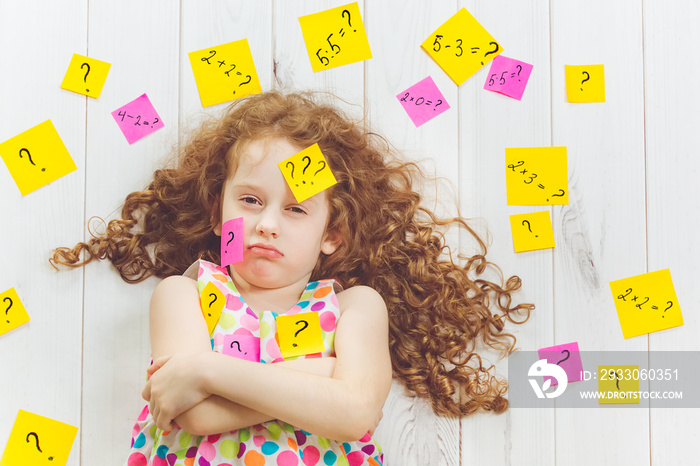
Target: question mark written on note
29	156
560	193
492	51
568	354
7	298
528	227
306	324
86	73
588	76
212	301
230	233
36	438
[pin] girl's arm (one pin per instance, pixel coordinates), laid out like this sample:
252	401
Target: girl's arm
344	407
177	327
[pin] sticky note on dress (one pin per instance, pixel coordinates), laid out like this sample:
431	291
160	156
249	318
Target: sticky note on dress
585	83
536	176
423	101
224	72
15	313
137	119
508	76
232	241
85	76
307	173
212	302
532	231
300	334
566	356
36	157
618	385
335	37
37	440
461	46
242	346
646	303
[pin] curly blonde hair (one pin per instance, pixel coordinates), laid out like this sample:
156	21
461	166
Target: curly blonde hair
437	312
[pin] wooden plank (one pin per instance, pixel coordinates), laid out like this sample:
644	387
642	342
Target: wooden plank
601	233
143	50
410	433
42	364
670	36
490	123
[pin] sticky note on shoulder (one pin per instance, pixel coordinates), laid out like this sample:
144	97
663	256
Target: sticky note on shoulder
532	231
307	173
224	72
38	440
86	76
585	83
335	37
646	303
212	302
537	176
15	313
461	46
36	157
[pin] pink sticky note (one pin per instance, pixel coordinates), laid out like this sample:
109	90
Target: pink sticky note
137	119
232	241
566	356
242	346
423	101
508	77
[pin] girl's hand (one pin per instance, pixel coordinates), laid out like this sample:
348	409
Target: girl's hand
175	386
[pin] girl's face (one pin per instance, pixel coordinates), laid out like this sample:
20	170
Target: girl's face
282	238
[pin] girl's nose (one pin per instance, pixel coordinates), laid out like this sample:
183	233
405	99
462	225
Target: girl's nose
268	224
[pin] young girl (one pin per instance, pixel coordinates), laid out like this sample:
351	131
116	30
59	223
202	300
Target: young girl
361	264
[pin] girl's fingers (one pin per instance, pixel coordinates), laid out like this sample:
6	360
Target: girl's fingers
146	393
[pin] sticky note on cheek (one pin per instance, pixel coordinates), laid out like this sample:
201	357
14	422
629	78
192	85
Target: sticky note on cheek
585	83
532	231
15	313
566	356
300	334
307	173
335	37
212	302
232	241
137	119
646	303
36	157
423	101
38	440
242	346
85	76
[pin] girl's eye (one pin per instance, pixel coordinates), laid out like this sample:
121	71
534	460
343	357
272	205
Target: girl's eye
249	200
297	210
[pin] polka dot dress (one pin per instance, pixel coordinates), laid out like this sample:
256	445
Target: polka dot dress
271	443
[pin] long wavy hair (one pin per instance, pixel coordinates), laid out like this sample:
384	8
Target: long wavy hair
438	312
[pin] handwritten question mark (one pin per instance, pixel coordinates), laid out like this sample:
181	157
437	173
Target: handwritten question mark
212	302
568	354
307	164
436	105
30	157
670	305
588	76
343	16
324	166
288	164
86	73
528	227
237	344
559	195
7	298
36	438
520	68
232	236
492	51
306	324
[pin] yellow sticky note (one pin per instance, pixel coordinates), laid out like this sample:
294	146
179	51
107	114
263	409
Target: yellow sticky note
36	157
585	83
15	313
536	176
461	46
307	173
224	72
300	334
532	231
212	301
38	441
618	384
646	303
85	76
335	37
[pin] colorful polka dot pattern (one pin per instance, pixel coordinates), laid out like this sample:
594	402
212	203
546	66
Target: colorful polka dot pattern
271	443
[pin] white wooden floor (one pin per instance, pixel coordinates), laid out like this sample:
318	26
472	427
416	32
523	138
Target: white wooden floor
633	205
